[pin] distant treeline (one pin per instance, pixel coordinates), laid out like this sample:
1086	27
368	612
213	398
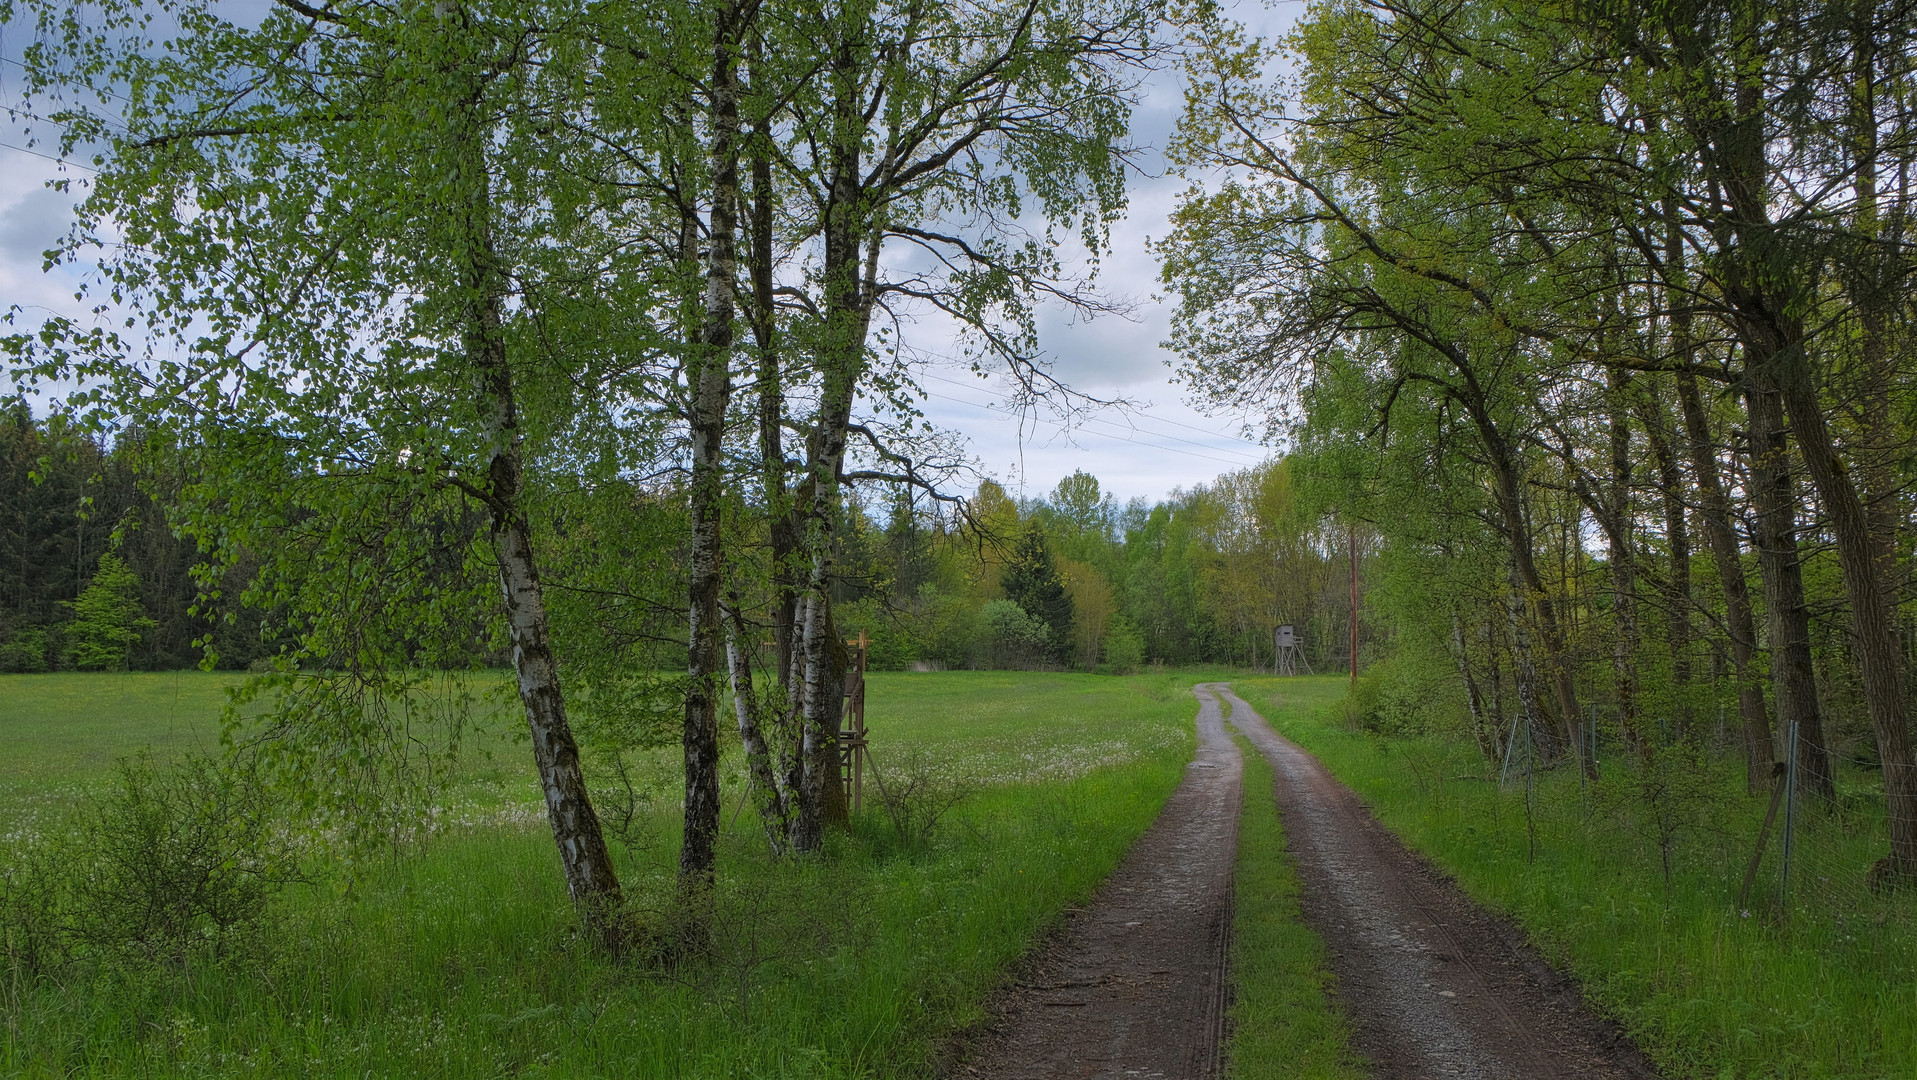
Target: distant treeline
68	500
1071	580
1204	576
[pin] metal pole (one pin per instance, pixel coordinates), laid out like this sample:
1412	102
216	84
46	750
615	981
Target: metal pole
1790	812
1510	744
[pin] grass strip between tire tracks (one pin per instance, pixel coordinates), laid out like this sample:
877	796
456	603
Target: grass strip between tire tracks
1284	1022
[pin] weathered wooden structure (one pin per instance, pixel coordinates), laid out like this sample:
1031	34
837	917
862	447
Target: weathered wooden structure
1288	652
852	725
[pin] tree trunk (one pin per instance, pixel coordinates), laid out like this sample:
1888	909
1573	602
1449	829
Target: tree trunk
1485	729
709	376
1873	634
590	877
847	315
1762	298
768	794
1524	671
1774	498
781	512
1677	582
1525	577
1715	509
1618	530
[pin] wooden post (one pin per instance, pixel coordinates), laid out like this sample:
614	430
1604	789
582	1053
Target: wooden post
1351	543
852	727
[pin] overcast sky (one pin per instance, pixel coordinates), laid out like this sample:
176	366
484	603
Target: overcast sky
1146	451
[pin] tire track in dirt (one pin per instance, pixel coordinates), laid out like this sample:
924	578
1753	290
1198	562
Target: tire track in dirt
1434	986
1134	984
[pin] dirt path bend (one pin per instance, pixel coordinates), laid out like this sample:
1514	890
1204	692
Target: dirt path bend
1134	983
1433	985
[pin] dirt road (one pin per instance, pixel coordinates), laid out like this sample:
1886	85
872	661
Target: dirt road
1136	984
1434	986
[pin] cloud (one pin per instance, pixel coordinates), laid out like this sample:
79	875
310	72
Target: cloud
33	224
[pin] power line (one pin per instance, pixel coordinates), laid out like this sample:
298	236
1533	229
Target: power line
50	157
1249	458
1099	434
1158	419
1239	463
108	93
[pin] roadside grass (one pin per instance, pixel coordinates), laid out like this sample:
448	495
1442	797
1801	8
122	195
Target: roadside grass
1706	990
459	958
1284	1023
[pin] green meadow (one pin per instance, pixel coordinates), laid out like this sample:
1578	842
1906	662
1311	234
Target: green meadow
457	957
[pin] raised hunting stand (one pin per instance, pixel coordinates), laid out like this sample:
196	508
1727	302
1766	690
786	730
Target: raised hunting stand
1288	652
852	726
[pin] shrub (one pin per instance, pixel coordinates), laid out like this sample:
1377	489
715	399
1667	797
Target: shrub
1124	646
918	798
173	863
26	649
1401	698
1015	637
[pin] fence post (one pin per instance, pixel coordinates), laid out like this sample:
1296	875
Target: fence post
1790	816
1510	744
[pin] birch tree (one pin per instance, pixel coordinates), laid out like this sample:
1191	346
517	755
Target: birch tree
336	236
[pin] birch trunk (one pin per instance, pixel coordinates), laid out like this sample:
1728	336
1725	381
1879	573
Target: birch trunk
847	314
768	794
710	377
587	864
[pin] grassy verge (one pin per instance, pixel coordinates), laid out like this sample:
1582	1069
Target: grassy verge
1707	990
458	959
1283	1021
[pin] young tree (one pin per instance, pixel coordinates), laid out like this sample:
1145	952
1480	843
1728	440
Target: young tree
350	243
108	620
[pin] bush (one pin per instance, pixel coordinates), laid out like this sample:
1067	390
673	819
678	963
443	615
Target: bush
919	797
1014	637
1399	698
1124	647
173	863
26	649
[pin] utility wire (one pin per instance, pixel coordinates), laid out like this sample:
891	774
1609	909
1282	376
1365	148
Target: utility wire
1099	434
1250	458
50	157
1158	419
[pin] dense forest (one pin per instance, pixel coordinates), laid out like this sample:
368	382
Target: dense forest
75	514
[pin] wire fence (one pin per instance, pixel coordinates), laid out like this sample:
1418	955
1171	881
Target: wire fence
1788	855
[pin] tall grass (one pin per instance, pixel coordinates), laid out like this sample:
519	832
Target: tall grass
459	959
1823	986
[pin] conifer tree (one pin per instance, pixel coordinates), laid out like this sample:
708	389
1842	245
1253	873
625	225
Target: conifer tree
108	621
1031	581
